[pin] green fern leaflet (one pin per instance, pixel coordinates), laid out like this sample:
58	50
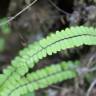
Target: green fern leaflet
16	81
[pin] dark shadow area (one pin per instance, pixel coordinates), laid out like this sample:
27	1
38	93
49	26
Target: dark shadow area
4	4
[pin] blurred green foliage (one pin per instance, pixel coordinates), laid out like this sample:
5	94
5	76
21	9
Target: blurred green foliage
2	44
30	94
5	28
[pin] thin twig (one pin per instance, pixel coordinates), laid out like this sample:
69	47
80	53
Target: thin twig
12	18
90	60
85	70
91	87
92	69
59	9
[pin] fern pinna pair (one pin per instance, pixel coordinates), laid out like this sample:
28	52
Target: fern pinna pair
16	79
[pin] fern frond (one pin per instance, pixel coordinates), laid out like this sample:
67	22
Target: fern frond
68	38
41	79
